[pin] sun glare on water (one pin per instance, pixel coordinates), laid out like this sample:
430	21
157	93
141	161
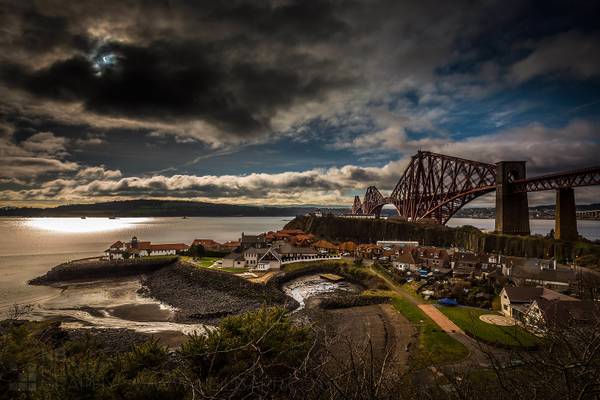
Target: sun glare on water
80	225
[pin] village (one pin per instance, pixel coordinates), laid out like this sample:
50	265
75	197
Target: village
534	293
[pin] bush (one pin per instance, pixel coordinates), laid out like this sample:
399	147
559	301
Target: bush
264	339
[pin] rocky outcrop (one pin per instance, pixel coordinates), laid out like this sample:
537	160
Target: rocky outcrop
101	269
205	295
371	230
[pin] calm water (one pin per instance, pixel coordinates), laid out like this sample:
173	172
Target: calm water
586	228
31	246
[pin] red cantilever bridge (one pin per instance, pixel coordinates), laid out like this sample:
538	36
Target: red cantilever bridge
435	186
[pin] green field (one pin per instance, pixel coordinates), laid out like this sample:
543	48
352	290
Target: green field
232	270
435	345
206	262
201	262
467	319
304	264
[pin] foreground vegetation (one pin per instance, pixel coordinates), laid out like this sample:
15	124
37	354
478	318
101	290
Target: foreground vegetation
265	355
467	318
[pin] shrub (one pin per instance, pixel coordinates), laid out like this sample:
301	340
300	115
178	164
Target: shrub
265	339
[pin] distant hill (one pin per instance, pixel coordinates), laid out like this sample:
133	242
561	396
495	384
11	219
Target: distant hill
154	208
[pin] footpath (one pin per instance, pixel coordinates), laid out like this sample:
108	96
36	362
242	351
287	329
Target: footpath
476	355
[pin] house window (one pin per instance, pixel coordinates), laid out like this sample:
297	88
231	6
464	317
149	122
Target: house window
506	307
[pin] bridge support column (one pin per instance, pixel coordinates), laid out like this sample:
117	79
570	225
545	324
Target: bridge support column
565	227
512	209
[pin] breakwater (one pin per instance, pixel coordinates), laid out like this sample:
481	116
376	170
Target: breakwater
370	230
95	268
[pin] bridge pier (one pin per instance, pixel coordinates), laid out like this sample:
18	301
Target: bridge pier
512	209
565	227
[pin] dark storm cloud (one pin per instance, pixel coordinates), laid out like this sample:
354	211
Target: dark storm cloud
101	98
221	80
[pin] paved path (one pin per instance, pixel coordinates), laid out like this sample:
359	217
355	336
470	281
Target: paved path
439	318
265	278
476	355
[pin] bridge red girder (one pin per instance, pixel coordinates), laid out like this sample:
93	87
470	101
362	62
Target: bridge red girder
576	178
436	186
357	206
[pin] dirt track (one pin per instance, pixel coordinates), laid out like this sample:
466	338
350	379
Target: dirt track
376	327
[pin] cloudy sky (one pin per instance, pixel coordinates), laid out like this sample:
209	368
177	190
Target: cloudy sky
286	102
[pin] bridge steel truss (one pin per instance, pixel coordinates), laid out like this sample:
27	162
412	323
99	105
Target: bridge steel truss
576	178
436	186
433	186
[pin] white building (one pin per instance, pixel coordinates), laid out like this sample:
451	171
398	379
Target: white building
134	249
397	243
270	260
515	302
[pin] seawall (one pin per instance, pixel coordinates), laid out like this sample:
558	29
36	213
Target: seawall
468	237
99	269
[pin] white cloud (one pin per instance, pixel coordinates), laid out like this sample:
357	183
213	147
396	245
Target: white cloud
45	143
545	150
93	173
41	153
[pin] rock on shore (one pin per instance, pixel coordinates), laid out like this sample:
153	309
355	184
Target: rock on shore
203	295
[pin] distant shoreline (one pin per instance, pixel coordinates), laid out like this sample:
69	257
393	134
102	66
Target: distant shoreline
154	208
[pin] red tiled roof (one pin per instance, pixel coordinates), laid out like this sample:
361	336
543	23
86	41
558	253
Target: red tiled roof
291	232
169	246
140	245
406	258
118	244
324	244
348	246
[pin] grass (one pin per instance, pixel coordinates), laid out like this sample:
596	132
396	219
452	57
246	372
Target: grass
304	264
232	270
467	319
435	345
378	292
201	262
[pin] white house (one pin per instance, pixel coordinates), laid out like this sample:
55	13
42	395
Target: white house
270	260
252	255
404	262
515	302
120	250
234	260
544	314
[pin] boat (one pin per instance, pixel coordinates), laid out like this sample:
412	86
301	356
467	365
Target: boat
83	217
184	218
112	217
